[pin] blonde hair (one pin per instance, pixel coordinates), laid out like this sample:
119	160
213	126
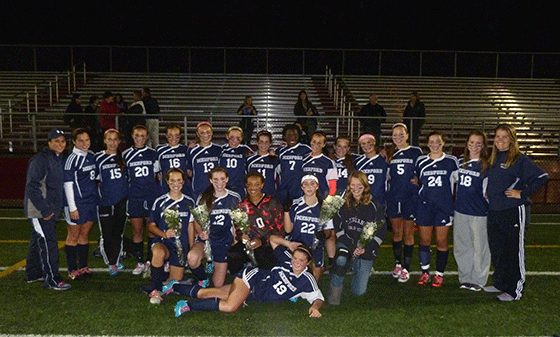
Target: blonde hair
366	194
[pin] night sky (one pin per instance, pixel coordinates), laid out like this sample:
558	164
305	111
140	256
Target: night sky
484	26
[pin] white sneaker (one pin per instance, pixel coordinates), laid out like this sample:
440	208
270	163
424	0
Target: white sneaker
404	276
147	270
139	269
155	297
397	271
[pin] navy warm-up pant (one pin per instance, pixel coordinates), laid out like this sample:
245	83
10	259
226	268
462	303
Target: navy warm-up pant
506	238
42	253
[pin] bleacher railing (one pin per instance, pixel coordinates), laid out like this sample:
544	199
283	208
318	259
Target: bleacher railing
386	62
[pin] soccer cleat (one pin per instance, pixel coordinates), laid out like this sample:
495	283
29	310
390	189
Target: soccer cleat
204	283
120	266
437	281
424	279
404	276
147	271
475	287
113	270
491	289
31	280
74	274
60	286
209	269
139	269
465	286
168	288
181	307
397	271
85	271
155	297
505	297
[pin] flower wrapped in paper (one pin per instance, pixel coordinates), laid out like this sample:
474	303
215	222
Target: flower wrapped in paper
200	213
330	207
173	221
240	219
368	233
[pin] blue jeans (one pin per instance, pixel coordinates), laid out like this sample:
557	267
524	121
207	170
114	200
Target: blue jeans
361	269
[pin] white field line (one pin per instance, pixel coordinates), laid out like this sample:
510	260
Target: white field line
376	272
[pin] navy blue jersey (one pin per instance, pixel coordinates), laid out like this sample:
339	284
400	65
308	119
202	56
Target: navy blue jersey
343	172
201	160
281	284
113	182
323	168
221	227
157	216
268	166
234	161
375	168
437	178
171	157
142	166
306	221
291	159
522	175
401	171
80	170
471	189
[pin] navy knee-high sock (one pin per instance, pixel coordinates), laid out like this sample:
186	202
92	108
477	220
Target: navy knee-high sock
397	251
71	257
199	273
158	276
441	261
83	251
209	304
187	290
139	251
407	252
425	254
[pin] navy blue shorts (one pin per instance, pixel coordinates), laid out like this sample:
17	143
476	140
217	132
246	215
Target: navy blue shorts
139	208
173	257
429	215
219	252
86	213
405	209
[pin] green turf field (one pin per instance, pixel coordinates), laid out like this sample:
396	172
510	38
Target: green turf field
104	305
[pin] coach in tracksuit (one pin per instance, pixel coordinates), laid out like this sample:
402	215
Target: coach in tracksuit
512	178
42	205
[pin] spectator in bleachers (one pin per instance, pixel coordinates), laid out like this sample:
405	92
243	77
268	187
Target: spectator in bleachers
121	103
246	123
91	122
74	113
152	119
109	110
372	126
136	109
304	107
413	117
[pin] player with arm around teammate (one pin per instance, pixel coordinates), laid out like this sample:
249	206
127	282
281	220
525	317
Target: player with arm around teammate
357	211
113	196
437	174
374	166
202	158
402	200
264	162
80	174
289	279
143	172
233	158
512	179
172	155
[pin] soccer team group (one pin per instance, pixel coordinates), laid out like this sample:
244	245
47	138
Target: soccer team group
183	195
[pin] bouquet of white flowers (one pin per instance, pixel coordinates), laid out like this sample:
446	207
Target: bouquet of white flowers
201	215
368	233
173	221
330	206
240	219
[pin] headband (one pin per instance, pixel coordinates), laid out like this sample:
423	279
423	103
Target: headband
203	123
401	125
111	130
309	176
366	136
234	128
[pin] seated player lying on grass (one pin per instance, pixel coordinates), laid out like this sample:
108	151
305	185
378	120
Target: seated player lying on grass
172	225
289	279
